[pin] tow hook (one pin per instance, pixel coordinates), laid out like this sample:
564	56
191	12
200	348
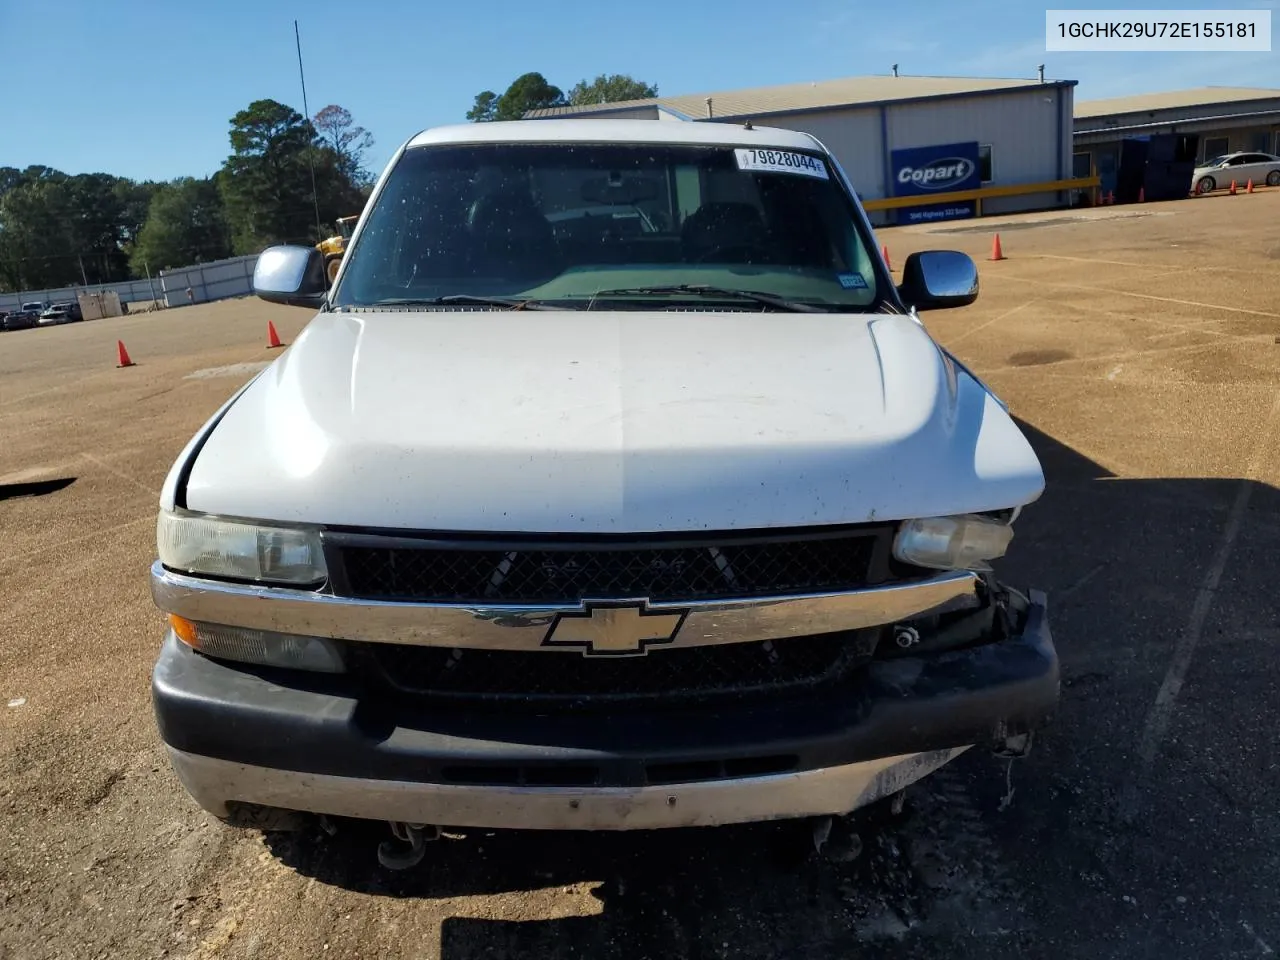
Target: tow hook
394	856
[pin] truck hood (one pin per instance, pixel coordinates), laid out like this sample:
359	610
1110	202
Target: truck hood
610	422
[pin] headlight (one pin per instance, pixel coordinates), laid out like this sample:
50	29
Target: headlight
952	543
194	543
260	646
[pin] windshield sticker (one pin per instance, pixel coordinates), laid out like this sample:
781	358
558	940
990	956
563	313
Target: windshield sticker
852	281
781	161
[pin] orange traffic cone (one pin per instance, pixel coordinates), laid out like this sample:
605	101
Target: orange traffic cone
273	338
123	355
1248	187
996	252
1232	191
884	252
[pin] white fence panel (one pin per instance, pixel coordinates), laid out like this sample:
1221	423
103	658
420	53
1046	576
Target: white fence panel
216	280
129	291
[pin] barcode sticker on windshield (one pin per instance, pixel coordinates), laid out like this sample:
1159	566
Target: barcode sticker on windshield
781	161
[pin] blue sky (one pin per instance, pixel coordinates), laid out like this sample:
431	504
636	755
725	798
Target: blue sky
146	89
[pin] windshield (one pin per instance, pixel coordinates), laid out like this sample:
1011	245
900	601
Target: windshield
591	225
1217	161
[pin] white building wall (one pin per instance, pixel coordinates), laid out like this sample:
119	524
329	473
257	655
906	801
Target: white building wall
1029	133
852	136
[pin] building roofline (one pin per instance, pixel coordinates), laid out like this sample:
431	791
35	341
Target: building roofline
1177	122
876	104
1149	103
663	103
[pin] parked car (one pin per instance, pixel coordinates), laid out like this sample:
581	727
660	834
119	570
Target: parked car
21	319
73	309
677	527
1240	167
54	316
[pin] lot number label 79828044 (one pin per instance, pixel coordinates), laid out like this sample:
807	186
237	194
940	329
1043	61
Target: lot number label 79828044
781	161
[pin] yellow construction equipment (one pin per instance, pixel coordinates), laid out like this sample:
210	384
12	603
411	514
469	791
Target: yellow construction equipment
334	247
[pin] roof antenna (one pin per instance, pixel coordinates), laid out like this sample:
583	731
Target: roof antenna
1041	69
709	113
895	69
746	125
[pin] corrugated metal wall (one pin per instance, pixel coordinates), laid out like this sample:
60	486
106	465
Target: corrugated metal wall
1029	133
852	135
216	280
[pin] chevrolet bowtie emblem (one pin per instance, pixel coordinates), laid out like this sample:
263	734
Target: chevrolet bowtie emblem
615	630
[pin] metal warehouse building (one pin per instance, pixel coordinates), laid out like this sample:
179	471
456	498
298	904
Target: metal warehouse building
1013	133
1225	119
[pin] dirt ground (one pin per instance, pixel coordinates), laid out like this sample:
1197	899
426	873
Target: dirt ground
1140	348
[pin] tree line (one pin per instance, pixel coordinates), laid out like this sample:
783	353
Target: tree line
532	91
58	229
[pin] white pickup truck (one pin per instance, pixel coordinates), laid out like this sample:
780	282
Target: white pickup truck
613	485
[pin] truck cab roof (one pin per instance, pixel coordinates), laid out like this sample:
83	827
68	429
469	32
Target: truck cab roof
614	131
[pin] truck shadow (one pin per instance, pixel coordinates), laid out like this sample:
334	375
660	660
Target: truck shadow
34	488
968	869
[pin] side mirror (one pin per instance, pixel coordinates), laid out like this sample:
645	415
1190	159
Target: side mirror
939	279
292	275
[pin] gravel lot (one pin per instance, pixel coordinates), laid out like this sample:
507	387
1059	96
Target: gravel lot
1140	348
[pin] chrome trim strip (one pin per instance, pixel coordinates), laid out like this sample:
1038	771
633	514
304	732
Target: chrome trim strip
830	791
511	627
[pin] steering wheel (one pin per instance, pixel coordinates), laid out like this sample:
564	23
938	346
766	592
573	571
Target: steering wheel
744	251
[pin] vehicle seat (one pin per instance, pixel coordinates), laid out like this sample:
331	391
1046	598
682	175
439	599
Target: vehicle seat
719	226
802	239
510	237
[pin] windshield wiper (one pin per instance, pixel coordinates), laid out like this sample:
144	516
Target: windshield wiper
461	299
705	290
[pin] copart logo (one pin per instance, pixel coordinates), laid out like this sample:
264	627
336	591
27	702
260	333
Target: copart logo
938	174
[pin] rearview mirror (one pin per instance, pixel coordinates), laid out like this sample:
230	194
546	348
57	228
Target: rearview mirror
293	275
619	191
939	279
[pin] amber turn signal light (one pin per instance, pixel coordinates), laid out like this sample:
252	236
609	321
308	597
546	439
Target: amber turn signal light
184	629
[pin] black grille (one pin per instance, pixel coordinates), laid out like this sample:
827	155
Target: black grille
693	672
542	573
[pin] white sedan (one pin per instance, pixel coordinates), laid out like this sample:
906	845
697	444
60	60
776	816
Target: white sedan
1240	167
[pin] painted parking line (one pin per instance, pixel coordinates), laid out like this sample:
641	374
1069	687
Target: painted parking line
982	326
1105	291
1158	717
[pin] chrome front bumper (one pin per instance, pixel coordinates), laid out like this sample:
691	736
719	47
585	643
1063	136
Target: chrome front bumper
832	791
525	627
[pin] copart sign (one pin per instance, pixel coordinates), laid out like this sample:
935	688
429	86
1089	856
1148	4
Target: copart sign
921	171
